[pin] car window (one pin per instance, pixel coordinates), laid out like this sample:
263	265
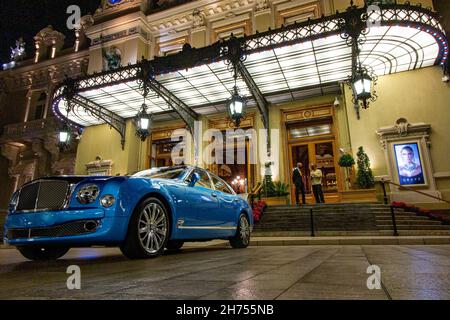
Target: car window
204	179
161	174
220	185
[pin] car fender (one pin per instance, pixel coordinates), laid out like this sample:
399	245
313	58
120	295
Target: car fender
135	190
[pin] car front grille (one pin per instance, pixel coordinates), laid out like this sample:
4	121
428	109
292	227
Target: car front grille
64	230
43	195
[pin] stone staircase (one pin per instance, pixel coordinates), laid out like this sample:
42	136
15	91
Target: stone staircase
345	219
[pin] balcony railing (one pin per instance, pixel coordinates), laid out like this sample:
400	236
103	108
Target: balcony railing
27	130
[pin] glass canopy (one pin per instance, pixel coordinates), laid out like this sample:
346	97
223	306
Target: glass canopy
285	64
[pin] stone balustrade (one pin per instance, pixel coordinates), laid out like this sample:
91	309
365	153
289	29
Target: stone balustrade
30	129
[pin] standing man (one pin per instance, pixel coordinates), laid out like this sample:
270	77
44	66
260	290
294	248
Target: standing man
316	181
297	178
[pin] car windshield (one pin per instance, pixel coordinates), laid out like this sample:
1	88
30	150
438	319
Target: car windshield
170	173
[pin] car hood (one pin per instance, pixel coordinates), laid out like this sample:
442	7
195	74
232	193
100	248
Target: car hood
78	179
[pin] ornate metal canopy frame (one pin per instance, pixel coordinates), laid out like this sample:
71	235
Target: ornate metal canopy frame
352	25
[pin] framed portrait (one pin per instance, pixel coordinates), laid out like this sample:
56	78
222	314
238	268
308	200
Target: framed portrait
410	169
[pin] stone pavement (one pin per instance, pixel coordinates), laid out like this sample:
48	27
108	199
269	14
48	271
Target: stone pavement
206	271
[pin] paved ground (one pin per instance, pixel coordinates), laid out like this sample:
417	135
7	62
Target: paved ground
199	272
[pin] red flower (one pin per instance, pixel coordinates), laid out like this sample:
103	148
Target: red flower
398	204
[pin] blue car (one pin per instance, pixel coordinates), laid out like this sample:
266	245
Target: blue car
143	214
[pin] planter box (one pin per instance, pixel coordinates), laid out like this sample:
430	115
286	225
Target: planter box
276	201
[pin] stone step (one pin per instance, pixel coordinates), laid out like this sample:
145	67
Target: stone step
374	218
350	240
328	209
317	207
410	222
406	216
331	213
414	227
282	233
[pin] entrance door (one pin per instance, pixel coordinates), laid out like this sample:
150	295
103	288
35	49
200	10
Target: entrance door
322	154
313	142
300	153
162	153
236	167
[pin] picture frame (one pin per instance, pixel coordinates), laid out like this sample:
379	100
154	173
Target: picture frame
409	164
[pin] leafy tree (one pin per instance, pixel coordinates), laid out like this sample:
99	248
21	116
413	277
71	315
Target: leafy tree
365	176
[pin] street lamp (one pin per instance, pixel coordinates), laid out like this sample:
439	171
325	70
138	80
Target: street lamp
64	136
143	122
235	106
362	87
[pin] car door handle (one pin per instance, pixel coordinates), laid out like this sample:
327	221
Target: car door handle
214	195
236	200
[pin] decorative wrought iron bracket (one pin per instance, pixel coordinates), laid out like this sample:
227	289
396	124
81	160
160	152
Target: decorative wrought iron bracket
113	120
235	54
261	102
353	26
188	115
148	82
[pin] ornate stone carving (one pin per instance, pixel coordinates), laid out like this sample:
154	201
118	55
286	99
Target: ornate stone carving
99	167
112	58
184	17
198	18
49	37
18	52
261	5
402	126
86	22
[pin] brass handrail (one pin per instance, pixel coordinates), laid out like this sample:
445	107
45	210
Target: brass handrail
409	189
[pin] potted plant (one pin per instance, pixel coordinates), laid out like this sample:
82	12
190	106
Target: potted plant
347	161
365	177
274	193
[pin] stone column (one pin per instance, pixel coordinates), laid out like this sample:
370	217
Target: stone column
27	110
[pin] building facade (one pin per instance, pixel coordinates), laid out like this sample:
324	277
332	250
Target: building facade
313	120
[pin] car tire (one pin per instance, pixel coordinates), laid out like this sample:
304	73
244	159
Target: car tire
242	238
148	230
174	245
43	253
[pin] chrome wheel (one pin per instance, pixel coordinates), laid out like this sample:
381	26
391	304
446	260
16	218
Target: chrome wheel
152	228
242	237
244	230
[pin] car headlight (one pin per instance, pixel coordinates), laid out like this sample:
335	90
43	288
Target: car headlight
88	194
107	201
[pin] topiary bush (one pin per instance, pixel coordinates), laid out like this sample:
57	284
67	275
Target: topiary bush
365	176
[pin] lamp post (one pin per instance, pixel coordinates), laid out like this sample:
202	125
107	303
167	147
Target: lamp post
143	123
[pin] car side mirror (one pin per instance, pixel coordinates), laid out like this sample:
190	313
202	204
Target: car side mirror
194	179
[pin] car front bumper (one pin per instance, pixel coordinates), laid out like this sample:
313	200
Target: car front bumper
64	227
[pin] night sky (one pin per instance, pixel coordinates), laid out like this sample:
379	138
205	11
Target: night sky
27	17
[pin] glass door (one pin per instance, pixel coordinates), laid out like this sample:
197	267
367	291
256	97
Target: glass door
300	154
320	153
325	160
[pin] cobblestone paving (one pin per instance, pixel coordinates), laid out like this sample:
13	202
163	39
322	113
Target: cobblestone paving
295	272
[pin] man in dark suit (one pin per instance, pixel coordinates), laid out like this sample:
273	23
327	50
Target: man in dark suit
297	178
